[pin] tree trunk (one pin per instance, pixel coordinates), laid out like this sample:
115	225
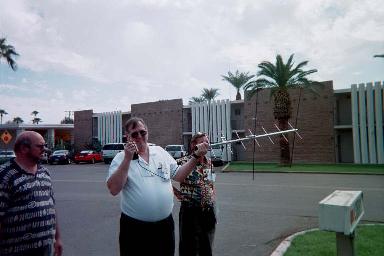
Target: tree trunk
238	95
282	112
284	145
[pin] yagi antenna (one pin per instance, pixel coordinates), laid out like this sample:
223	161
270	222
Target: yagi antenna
296	131
254	139
254	136
269	137
281	134
240	141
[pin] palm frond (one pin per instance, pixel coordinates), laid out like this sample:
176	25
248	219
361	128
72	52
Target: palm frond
210	94
196	100
8	52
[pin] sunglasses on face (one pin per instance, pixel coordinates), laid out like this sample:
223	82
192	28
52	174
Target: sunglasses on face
41	146
142	133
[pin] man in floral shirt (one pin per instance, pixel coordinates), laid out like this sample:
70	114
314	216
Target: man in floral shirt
197	218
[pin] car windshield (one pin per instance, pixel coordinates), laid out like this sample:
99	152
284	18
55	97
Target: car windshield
60	152
113	147
173	148
85	152
7	153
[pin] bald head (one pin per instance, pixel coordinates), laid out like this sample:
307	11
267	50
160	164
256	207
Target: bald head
26	138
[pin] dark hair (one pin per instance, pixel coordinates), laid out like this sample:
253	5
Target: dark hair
198	135
22	141
133	122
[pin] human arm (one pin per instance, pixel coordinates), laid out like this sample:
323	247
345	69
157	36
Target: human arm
117	180
58	245
186	168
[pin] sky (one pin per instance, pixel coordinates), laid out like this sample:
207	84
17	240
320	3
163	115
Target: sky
107	55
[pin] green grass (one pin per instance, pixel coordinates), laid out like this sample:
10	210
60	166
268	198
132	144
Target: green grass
320	168
368	241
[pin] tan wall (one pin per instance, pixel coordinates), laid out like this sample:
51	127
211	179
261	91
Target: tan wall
315	123
164	120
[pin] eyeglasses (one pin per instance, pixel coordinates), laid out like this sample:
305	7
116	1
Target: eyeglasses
136	134
41	146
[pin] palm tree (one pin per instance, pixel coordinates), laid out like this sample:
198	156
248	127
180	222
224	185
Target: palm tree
210	94
8	52
36	120
67	120
2	113
34	113
280	77
196	100
379	56
18	120
238	80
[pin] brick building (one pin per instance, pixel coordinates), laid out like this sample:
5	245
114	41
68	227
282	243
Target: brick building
331	123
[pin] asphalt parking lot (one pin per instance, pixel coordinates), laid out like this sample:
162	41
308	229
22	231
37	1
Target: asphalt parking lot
254	215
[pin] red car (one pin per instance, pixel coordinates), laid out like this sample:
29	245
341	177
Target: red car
88	156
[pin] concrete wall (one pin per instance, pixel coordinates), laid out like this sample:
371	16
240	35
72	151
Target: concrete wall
367	122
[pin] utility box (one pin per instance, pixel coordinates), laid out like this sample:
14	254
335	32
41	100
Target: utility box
341	211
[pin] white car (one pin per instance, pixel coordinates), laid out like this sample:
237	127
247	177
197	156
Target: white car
6	155
216	155
110	150
176	151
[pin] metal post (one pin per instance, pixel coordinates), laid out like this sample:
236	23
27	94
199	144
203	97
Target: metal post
345	244
254	141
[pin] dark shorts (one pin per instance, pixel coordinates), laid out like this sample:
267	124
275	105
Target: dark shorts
143	238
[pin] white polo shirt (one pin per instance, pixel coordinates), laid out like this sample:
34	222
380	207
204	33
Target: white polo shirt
147	195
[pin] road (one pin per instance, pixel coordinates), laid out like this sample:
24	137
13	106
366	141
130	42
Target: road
254	215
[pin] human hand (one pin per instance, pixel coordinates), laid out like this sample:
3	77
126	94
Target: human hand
58	246
130	150
201	149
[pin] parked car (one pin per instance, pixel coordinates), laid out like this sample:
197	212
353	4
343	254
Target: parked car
44	158
176	151
6	155
216	155
110	150
88	156
60	157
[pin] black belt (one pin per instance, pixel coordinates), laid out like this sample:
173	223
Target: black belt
129	219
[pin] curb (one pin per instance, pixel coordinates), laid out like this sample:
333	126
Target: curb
284	245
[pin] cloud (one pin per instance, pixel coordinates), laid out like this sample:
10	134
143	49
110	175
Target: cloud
112	54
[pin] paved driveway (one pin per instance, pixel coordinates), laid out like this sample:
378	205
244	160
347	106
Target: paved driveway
254	215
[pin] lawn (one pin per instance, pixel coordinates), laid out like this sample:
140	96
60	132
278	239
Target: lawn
368	242
318	168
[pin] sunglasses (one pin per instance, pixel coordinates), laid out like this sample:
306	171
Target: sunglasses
41	146
142	133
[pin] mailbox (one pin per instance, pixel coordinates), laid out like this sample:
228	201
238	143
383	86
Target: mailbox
341	211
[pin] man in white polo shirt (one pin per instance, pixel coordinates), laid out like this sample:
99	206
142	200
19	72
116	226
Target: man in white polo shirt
143	175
